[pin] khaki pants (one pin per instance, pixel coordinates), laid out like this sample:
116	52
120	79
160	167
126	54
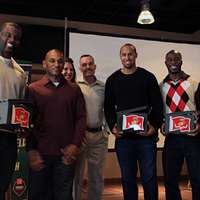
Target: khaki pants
93	151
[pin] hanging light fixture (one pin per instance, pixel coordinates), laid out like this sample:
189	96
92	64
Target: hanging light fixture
145	16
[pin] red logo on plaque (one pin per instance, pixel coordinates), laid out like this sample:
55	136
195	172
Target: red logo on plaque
19	187
21	116
134	121
180	123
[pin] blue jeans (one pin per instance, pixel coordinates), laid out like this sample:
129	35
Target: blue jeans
176	149
143	151
54	182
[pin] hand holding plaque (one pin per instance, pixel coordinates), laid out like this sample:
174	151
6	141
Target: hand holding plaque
132	121
180	122
16	116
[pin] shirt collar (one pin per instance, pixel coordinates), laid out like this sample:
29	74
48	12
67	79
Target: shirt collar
7	61
183	76
46	81
81	80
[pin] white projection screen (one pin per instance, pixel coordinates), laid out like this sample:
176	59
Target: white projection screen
151	55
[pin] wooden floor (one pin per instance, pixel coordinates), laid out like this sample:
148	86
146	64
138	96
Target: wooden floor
113	191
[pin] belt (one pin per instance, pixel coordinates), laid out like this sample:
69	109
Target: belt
94	130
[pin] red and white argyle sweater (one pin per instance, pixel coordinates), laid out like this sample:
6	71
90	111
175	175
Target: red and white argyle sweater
178	96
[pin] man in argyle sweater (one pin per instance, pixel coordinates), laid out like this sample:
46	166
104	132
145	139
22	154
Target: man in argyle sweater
178	91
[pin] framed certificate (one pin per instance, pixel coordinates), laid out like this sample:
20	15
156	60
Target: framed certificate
16	112
132	121
180	122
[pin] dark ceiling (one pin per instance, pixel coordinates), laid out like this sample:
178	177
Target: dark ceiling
181	16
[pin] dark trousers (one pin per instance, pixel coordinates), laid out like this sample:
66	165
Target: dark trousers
54	182
8	154
176	149
143	151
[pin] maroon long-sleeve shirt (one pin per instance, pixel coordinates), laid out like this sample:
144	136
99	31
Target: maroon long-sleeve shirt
60	116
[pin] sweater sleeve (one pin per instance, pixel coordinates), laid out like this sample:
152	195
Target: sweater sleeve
197	98
156	103
109	105
197	101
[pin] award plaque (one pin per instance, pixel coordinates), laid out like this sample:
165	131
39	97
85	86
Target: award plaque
180	122
16	113
132	121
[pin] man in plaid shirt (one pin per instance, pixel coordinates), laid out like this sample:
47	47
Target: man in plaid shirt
178	91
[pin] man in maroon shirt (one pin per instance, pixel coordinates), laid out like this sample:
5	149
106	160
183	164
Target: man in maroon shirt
59	126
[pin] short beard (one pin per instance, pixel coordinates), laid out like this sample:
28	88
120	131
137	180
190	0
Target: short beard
177	72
